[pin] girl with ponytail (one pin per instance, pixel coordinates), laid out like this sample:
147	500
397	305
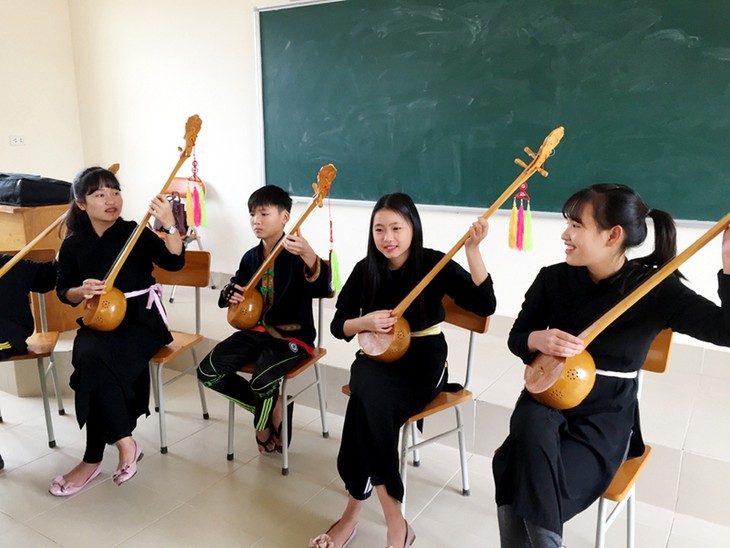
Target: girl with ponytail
556	463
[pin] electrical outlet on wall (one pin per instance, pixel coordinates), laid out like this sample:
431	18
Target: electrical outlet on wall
17	140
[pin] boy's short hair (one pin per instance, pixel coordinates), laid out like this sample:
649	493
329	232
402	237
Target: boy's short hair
270	195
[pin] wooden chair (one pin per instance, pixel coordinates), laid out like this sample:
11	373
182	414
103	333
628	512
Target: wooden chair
41	345
445	400
195	274
622	490
287	398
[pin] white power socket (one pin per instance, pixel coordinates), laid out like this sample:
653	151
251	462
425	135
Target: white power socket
17	140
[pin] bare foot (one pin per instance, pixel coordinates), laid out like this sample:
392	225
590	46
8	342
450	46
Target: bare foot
127	451
266	441
339	533
397	534
277	416
80	473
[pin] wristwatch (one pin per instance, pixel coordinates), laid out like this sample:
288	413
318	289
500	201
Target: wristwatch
171	230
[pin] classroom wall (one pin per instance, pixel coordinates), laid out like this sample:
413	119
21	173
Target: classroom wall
103	81
143	67
38	98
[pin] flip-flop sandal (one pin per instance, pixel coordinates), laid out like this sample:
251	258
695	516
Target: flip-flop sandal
267	443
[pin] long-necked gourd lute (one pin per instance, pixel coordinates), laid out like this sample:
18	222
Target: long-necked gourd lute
105	312
388	347
246	314
563	383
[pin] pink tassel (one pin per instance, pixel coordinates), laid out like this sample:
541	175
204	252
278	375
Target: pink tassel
189	206
196	206
520	226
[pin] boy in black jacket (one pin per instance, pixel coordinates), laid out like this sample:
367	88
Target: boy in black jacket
285	331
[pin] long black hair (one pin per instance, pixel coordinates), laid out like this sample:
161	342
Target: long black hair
615	204
87	182
377	264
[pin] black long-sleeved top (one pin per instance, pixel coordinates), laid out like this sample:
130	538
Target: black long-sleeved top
426	310
85	255
288	311
581	448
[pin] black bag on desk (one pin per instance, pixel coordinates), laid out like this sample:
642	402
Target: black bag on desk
20	189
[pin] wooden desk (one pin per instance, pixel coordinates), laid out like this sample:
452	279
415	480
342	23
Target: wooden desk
18	226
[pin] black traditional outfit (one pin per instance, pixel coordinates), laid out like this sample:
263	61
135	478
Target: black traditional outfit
284	333
16	319
554	464
111	376
384	395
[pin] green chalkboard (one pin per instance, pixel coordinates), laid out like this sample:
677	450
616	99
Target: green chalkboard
437	98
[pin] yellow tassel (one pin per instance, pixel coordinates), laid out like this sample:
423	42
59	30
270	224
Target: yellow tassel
513	226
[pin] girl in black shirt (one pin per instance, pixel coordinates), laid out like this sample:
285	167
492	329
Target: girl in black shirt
384	395
111	377
554	464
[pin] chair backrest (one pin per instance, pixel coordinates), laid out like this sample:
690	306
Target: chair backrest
657	358
320	318
195	273
658	355
459	317
180	185
474	323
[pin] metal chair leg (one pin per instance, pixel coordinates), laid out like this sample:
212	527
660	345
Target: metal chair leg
203	402
631	519
601	524
322	400
231	420
46	404
161	414
404	465
153	385
285	426
414	437
56	385
462	452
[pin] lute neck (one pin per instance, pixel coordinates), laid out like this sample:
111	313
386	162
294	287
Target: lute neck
598	326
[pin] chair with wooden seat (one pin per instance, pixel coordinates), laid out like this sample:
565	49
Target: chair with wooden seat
622	490
41	345
475	324
288	398
195	274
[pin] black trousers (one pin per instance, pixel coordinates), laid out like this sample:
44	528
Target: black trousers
110	419
273	359
382	397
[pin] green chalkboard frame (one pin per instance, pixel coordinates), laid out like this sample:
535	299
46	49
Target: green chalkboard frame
437	98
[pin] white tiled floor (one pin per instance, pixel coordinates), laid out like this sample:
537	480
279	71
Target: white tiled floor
193	496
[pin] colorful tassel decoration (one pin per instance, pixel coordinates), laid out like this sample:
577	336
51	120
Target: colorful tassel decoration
527	242
520	222
520	227
196	205
189	206
335	269
334	261
513	226
203	214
